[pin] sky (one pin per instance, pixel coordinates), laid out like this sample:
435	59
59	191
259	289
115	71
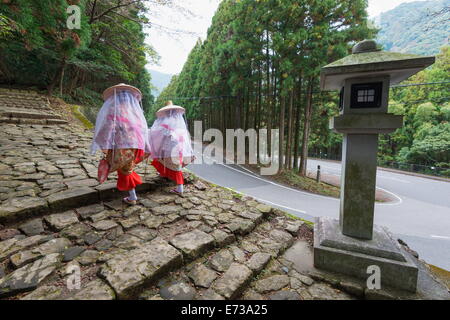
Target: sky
174	50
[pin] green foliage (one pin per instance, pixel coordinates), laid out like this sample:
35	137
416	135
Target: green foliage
309	184
80	116
109	47
445	112
7	27
260	59
396	108
424	139
425	112
431	146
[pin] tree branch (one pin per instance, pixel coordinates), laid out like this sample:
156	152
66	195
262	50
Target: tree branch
94	5
158	26
118	6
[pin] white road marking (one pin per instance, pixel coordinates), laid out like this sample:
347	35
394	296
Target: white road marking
276	184
259	199
253	175
281	206
390	178
388	203
378	174
333	174
399	200
440	237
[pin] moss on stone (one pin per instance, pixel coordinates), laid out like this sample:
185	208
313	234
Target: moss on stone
372	57
80	116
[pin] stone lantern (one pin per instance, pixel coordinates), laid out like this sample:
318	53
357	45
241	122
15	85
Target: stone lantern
353	244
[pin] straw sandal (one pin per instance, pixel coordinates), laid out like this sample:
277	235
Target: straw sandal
129	202
176	192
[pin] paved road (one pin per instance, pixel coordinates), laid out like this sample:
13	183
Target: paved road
420	216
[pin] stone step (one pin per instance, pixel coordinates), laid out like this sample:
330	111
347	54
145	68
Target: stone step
227	271
28	96
124	272
254	267
13	93
32	121
56	121
26	114
209	245
140	244
18	99
287	277
7	91
16	209
24	103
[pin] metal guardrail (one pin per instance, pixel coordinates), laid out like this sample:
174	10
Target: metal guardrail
403	166
325	156
416	168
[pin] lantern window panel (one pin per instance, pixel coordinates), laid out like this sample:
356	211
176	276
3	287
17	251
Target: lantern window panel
366	95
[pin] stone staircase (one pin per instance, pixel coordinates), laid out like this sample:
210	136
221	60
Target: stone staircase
26	107
210	244
207	245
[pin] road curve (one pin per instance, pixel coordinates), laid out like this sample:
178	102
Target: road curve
420	216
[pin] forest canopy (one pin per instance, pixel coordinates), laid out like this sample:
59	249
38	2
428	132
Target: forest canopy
425	136
259	68
38	49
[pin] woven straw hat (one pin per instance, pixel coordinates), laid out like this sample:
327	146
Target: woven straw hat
170	106
122	87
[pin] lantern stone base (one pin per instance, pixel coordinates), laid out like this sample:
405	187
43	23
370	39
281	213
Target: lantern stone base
336	252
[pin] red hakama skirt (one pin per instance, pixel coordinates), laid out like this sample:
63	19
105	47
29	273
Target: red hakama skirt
176	176
128	179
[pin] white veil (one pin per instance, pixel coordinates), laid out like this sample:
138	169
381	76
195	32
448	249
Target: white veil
170	138
121	124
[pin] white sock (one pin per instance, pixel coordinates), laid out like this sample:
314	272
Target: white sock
180	188
133	196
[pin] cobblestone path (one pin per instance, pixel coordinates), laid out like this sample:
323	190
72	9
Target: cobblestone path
206	245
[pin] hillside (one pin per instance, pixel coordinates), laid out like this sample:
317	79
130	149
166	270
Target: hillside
411	27
159	81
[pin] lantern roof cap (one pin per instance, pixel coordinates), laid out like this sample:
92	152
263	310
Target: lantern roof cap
367	60
365	46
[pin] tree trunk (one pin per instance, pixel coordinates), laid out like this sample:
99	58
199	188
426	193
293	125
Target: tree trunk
5	70
268	99
238	111
297	125
258	113
74	80
306	129
61	82
281	146
288	162
272	106
58	74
